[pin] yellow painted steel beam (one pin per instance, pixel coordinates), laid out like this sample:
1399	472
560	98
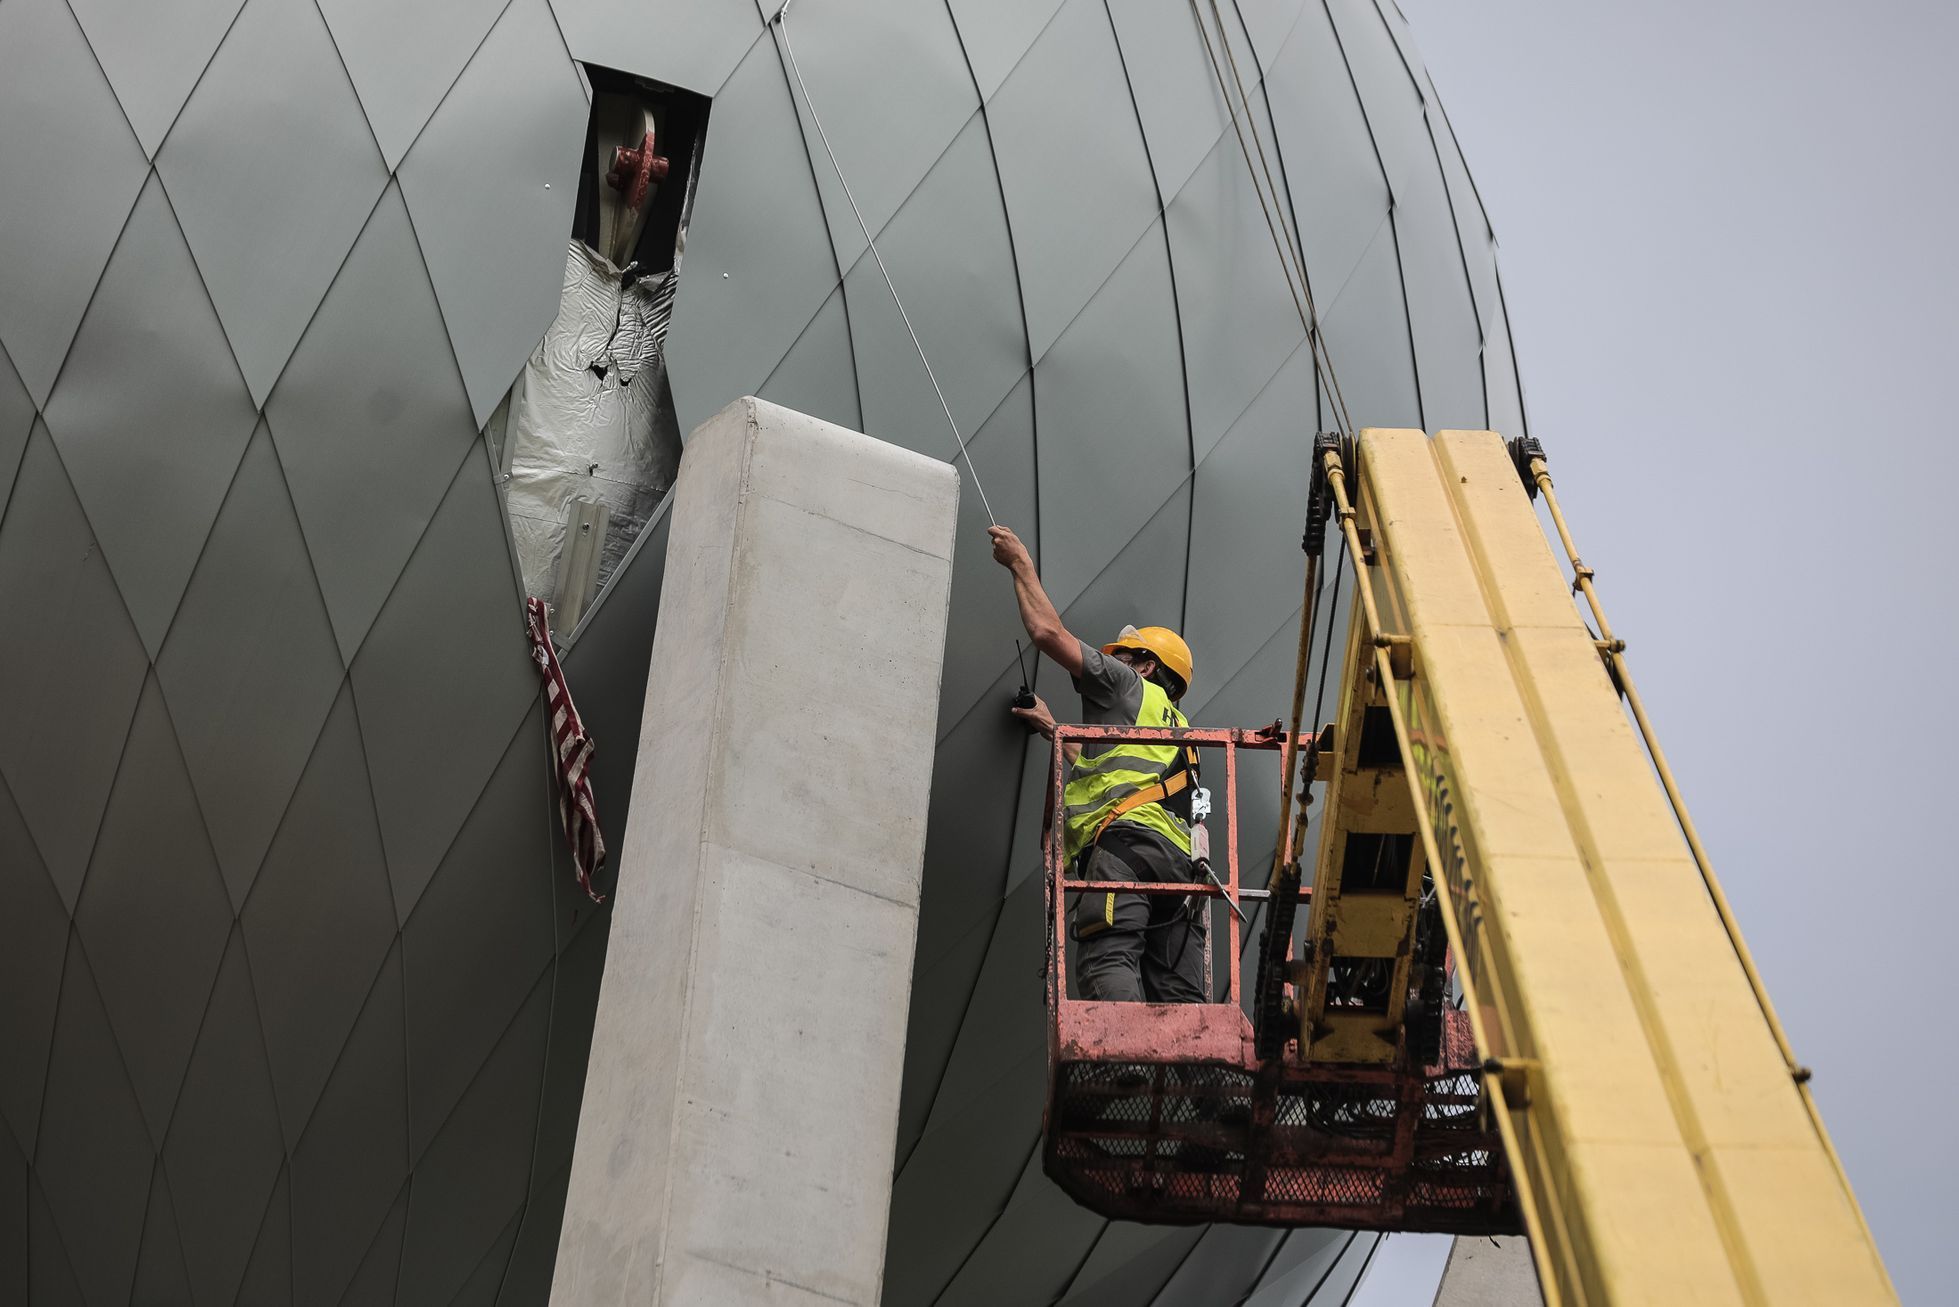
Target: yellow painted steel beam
1664	1151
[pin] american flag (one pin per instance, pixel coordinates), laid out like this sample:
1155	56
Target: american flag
572	749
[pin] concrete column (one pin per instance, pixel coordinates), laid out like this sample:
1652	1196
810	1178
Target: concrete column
1485	1272
741	1104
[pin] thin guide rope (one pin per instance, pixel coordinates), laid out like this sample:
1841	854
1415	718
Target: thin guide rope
781	23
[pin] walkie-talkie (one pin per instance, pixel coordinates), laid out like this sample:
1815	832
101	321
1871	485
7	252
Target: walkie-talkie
1025	699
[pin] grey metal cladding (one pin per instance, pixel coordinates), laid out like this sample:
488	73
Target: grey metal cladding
997	34
94	1157
935	1225
1367	336
1114	380
1240	322
320	920
352	1160
33	938
16	420
959	311
1002	1025
818	375
224	1149
1387	92
443	680
150	415
481	934
1002	451
1245	520
82	656
1441	312
1338	190
1313	1265
73	170
160	1272
759	265
472	1181
1224	1264
1128	1264
373	1284
403	59
268	1276
1041	1237
1072	166
1182	111
489	234
690	43
396	451
914	60
269	249
268	668
153	54
153	913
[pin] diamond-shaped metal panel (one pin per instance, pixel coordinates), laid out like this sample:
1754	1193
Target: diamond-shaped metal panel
494	238
353	1157
94	1156
690	43
950	226
818	375
1072	165
16	420
997	34
151	415
443	680
372	413
373	1284
1034	1247
160	1273
475	1173
33	938
480	934
224	1149
153	54
1116	376
59	745
404	58
50	1271
269	1275
916	62
272	169
320	919
251	655
72	170
153	912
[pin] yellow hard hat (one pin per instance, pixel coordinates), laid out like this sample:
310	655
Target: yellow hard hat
1162	644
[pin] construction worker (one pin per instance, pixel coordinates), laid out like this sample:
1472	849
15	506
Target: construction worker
1128	805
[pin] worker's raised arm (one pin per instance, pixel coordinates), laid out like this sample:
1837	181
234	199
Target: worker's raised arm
1036	609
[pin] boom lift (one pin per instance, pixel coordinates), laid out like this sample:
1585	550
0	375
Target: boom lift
1520	1001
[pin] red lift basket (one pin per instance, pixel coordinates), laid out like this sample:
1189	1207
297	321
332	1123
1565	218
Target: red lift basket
1165	1113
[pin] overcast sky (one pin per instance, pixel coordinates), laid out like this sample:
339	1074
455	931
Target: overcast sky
1727	248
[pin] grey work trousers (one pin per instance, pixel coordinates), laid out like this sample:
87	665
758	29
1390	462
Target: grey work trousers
1143	948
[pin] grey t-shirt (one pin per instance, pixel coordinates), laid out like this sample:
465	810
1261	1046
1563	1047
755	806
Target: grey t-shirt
1112	695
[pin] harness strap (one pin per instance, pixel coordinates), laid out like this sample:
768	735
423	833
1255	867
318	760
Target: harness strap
1157	793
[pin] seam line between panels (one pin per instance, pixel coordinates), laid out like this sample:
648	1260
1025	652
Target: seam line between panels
60	1240
1076	1274
829	232
1176	309
965	1009
1408	318
102	71
39	852
352	89
1176	1270
1373	144
447	91
988	1231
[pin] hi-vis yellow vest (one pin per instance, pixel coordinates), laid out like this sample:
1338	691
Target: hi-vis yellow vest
1128	781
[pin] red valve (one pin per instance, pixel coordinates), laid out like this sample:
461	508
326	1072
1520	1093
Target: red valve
633	171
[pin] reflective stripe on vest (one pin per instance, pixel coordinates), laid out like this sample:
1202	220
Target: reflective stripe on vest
1098	786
